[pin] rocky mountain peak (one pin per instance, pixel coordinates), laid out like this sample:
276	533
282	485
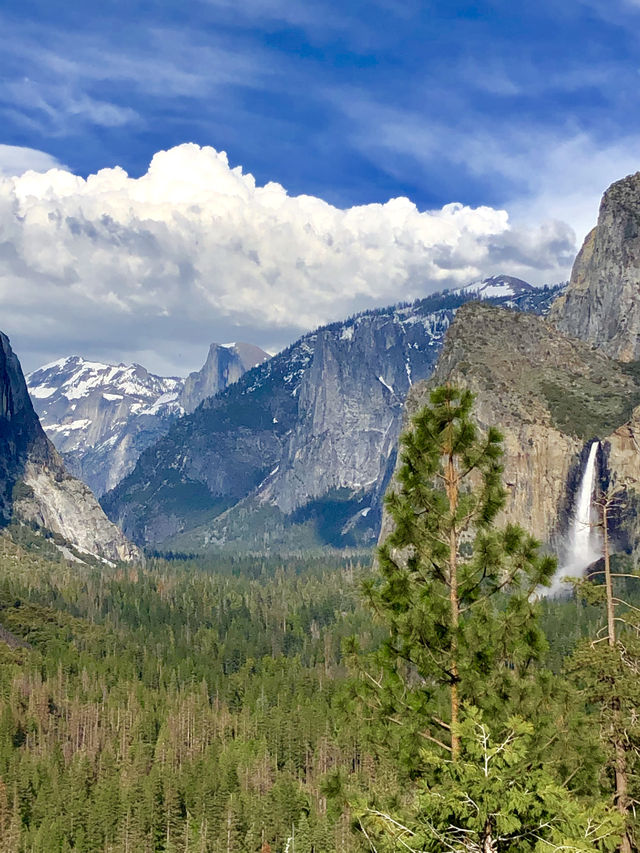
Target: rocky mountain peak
21	436
34	485
225	364
602	303
497	286
102	416
98	415
14	398
298	452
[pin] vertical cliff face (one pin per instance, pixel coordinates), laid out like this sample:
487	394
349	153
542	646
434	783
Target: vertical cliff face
318	422
21	436
602	302
225	364
549	395
299	451
34	485
101	416
349	406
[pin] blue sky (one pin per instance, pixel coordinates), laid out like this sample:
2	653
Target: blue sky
531	107
351	101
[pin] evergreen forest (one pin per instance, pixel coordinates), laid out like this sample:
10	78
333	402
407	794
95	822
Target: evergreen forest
311	704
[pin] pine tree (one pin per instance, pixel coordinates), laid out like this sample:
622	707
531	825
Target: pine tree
493	800
456	594
10	836
607	666
454	591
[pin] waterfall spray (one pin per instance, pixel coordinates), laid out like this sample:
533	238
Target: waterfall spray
583	540
584	547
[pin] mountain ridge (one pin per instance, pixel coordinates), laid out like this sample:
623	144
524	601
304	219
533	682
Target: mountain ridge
301	448
550	395
602	302
101	416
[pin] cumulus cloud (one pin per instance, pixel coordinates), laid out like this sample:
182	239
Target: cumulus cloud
155	268
14	160
540	172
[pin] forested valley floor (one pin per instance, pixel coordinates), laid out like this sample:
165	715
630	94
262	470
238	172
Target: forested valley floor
193	705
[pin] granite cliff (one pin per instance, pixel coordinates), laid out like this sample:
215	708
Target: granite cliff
602	303
299	451
225	364
550	395
34	485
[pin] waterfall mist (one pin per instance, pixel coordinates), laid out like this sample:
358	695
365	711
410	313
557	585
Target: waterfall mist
583	541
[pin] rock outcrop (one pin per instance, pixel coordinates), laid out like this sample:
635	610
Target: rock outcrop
34	485
550	395
602	303
100	416
298	453
225	364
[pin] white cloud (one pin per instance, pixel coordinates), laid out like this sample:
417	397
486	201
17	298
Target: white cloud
570	175
14	160
539	173
194	251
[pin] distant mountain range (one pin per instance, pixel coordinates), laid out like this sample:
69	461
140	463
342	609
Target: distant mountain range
101	416
295	452
298	452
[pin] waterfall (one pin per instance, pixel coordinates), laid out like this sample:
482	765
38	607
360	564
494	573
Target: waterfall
583	546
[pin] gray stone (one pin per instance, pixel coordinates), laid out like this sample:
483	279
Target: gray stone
101	417
299	451
34	484
602	302
225	364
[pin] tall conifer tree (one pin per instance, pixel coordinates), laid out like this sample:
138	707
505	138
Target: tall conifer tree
457	594
607	666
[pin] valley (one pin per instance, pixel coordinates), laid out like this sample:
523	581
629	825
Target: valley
216	658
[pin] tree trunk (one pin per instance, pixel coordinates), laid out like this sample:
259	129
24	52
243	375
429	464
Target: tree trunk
452	491
489	844
622	783
622	797
611	624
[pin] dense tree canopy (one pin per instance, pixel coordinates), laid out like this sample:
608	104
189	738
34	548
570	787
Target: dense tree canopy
458	687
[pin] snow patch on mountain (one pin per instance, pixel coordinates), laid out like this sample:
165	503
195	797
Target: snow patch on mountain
496	286
102	416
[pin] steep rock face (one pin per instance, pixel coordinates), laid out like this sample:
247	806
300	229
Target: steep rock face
549	395
34	485
225	364
602	302
298	452
102	416
20	435
320	416
621	458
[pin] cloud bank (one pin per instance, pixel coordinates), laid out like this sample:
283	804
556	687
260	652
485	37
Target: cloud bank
15	159
154	268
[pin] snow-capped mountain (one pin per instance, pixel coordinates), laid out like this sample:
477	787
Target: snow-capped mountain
496	287
298	452
101	416
34	485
